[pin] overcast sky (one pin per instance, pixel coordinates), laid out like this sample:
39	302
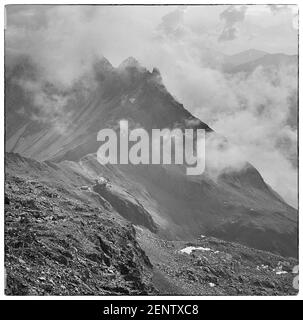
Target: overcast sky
186	43
228	29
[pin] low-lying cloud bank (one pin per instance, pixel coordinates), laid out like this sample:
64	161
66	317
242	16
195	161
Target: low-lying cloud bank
255	111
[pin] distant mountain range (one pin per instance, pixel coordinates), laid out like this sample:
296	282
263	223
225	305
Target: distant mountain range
244	57
249	60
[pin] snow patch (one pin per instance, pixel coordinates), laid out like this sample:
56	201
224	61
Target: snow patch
263	266
189	250
281	272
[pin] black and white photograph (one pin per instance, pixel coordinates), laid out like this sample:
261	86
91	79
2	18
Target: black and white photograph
151	150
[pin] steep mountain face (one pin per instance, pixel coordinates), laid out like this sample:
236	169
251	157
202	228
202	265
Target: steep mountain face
237	206
128	92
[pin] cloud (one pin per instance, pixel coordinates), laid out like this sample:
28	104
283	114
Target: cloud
276	8
64	45
251	111
49	106
223	156
231	16
287	10
172	23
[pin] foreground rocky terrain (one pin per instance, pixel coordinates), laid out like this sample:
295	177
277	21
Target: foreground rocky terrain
58	244
65	234
210	266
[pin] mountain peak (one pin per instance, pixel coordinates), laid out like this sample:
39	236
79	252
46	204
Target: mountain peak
156	71
252	51
130	62
103	64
